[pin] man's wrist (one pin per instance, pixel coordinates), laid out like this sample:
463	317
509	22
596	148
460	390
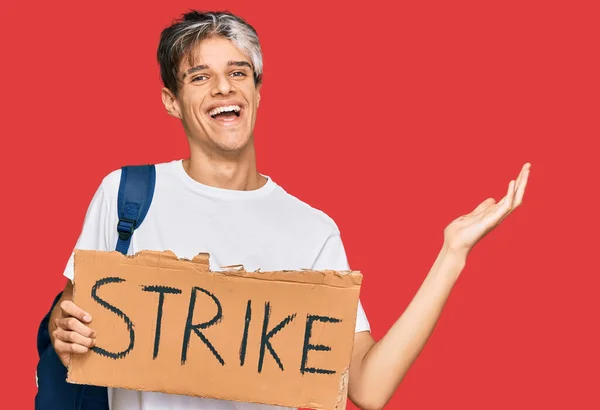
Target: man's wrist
452	261
457	255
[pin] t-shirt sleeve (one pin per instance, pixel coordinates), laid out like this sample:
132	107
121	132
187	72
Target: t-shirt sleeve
333	256
95	233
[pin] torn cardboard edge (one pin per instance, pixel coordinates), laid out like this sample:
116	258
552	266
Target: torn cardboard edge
169	260
343	390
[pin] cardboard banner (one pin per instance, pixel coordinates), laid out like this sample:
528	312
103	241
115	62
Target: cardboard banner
173	325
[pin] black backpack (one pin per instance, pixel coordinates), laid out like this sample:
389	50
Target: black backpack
136	191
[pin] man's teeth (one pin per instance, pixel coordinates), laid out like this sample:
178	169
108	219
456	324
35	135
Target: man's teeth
228	108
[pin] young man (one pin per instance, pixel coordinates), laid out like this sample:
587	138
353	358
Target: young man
216	201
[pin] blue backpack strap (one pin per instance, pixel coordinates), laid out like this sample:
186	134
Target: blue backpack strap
136	191
135	196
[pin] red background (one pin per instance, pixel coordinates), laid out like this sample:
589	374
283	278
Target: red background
392	118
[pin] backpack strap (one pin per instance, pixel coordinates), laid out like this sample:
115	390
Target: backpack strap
136	191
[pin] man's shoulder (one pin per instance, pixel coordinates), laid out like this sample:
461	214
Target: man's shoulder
305	213
111	180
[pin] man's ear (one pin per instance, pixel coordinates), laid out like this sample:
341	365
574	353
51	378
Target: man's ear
258	85
170	103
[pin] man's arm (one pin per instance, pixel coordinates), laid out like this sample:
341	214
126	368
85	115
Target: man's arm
67	326
377	369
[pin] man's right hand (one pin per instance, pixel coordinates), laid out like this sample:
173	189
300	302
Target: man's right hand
71	335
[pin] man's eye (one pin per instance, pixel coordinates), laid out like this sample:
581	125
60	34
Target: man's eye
241	74
198	78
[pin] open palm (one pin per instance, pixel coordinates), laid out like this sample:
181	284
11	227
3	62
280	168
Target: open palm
464	232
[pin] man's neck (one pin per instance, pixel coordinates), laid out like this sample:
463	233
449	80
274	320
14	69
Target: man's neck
238	173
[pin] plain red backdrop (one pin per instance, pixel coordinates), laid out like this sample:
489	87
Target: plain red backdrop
394	118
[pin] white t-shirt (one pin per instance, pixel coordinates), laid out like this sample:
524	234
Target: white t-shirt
265	229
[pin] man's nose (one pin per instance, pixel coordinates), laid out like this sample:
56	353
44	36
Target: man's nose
223	85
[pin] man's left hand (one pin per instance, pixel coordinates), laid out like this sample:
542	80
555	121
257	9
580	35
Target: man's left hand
462	234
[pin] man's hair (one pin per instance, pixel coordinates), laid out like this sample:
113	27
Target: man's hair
178	41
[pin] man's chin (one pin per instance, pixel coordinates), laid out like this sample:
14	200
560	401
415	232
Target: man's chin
233	146
224	143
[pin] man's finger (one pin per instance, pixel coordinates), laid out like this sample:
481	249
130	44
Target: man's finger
71	309
515	198
71	323
65	348
504	207
67	336
520	191
510	196
519	177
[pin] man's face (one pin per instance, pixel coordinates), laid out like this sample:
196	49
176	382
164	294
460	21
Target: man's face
217	99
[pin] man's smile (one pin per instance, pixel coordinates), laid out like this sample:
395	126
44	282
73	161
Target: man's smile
226	113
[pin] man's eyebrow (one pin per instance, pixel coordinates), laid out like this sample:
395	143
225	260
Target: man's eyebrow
239	64
195	69
205	67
